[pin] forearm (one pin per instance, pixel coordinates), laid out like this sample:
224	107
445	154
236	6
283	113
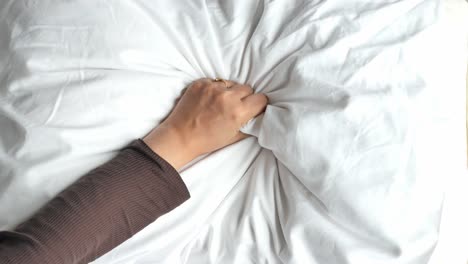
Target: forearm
118	199
98	212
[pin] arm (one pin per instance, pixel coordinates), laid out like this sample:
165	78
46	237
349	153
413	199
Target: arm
99	211
116	200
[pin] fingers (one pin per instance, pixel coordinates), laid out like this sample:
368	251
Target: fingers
225	84
238	137
183	91
207	82
241	91
204	81
229	83
255	104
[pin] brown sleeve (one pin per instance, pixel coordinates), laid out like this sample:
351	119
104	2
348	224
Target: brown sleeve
99	211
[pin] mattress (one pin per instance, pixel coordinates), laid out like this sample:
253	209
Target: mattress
350	162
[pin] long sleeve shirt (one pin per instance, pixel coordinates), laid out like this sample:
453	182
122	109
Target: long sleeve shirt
98	212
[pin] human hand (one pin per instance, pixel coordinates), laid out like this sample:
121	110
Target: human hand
207	117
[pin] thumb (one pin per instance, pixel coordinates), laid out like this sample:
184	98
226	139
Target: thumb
255	104
238	137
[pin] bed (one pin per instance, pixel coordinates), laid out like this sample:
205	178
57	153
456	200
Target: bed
359	158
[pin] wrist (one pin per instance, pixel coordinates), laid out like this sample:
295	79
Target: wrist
172	144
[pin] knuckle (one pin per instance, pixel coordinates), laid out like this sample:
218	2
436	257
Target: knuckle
239	113
236	118
196	85
212	85
201	86
229	94
238	109
204	80
263	99
221	97
226	95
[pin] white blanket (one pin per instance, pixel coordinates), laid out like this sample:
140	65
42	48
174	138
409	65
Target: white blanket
348	163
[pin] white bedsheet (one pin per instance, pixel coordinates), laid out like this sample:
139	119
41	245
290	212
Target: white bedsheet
350	165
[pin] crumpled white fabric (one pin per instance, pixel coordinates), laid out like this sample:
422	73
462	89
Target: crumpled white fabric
347	163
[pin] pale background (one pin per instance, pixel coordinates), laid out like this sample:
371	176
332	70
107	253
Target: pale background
453	240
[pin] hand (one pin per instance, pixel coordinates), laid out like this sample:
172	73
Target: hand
207	117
